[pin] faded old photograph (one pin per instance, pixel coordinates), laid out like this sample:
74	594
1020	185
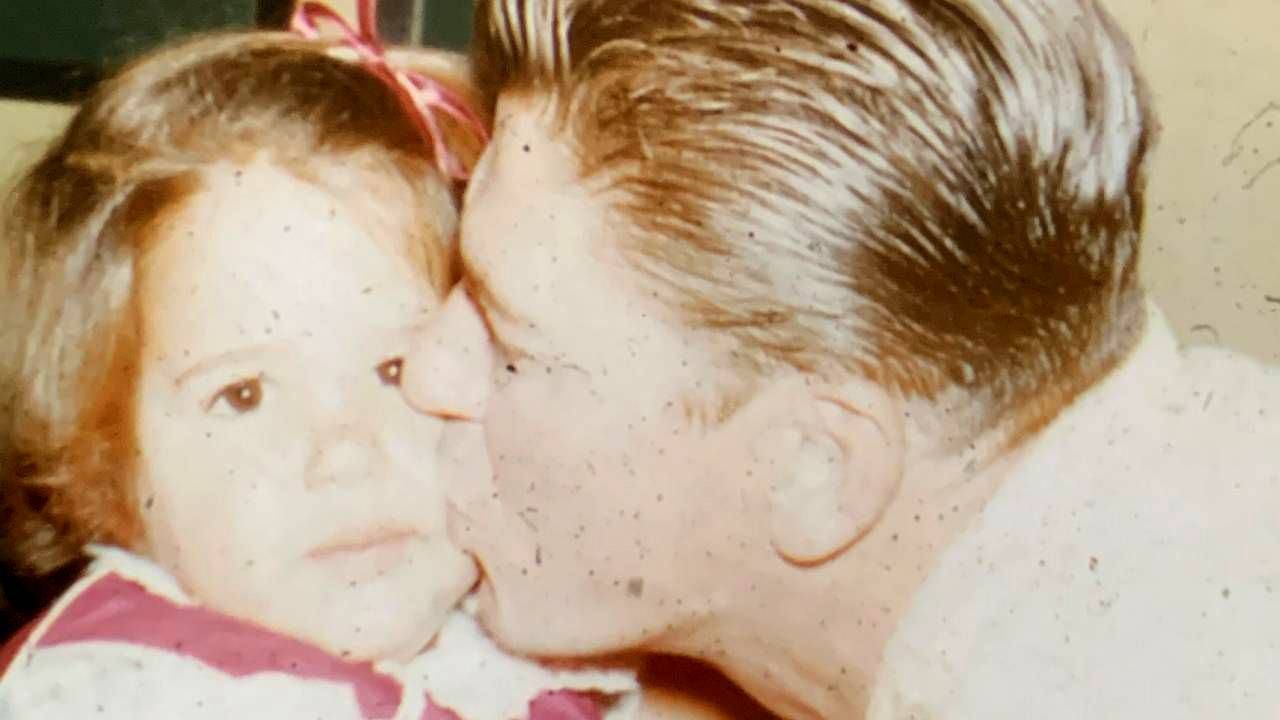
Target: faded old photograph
639	359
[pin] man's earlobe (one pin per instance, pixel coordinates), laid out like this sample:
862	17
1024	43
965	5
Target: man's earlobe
834	469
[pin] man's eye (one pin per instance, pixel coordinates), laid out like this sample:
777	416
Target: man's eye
389	371
239	398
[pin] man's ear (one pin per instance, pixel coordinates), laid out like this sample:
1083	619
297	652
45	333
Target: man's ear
835	465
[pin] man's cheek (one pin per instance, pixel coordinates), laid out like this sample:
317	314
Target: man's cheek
518	417
464	462
531	432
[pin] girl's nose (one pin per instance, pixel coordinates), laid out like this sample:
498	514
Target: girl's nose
343	456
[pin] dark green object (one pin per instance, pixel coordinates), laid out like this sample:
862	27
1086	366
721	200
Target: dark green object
447	23
105	32
55	49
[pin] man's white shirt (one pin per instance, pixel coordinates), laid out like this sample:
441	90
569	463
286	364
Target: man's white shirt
1129	568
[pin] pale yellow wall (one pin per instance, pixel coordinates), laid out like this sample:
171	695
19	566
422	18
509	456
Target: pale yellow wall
1213	249
25	128
1213	241
346	7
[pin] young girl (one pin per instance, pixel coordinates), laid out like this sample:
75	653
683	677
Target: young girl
207	284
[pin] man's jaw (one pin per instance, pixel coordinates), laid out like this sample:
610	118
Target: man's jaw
791	635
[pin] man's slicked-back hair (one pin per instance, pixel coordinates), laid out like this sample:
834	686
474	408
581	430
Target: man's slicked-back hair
937	194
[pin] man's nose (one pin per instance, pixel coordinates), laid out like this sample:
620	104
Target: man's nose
448	370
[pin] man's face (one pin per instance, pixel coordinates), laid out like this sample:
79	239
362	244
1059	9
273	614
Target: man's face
604	500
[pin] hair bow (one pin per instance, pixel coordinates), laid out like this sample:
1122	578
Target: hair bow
422	96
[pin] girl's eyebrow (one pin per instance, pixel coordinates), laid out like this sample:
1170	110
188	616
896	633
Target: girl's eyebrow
206	364
241	354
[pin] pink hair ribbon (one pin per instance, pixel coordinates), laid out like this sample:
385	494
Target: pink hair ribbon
422	96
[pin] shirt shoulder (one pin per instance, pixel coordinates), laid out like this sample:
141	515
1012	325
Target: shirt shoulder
112	648
1130	575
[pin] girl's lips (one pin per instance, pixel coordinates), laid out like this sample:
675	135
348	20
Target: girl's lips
362	542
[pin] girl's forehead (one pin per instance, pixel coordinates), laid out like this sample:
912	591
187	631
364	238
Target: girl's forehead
266	208
369	192
259	255
410	212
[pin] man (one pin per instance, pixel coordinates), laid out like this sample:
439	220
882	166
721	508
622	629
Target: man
805	337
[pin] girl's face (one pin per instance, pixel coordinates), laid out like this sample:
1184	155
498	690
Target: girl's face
284	480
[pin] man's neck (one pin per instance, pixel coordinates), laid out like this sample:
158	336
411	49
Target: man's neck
948	485
806	641
819	632
792	645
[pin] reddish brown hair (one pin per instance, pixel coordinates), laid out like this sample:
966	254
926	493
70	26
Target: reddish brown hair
938	194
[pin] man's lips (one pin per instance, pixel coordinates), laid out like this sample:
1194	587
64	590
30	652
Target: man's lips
363	542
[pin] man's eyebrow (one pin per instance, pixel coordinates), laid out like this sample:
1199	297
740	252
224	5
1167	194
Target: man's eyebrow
485	299
491	307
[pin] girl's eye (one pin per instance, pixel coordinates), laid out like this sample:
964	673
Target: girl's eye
242	397
389	371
